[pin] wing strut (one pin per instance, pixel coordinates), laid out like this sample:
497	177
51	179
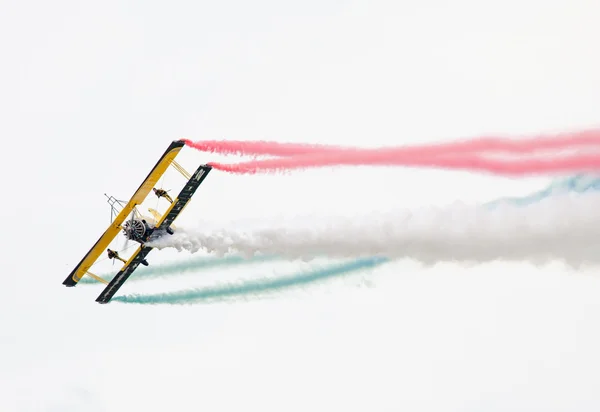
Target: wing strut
181	170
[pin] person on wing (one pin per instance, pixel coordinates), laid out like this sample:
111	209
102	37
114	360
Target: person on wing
162	193
113	254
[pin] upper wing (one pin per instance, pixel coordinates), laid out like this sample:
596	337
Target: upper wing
138	197
140	254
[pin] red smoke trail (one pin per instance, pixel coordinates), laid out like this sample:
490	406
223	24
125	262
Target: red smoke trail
259	148
587	138
572	164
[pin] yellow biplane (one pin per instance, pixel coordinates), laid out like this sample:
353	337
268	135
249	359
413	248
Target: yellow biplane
137	227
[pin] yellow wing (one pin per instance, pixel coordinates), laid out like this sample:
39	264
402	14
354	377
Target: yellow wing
138	197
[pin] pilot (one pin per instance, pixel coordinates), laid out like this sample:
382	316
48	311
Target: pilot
162	193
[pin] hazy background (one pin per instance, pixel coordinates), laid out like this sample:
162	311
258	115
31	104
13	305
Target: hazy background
92	93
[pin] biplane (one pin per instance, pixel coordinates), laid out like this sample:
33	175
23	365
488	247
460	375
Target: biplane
137	227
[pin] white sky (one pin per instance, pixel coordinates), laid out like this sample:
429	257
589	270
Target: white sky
92	93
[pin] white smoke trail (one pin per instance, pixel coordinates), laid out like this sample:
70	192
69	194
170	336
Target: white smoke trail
564	227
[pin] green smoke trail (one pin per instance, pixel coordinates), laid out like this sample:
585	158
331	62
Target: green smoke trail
580	183
183	266
251	287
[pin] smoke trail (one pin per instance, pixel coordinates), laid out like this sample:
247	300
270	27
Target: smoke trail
570	164
574	184
581	139
181	267
251	287
258	148
565	227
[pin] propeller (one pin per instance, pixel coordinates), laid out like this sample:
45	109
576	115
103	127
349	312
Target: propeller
131	223
126	244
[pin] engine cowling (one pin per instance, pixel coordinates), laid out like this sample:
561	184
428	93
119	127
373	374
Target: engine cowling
135	229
